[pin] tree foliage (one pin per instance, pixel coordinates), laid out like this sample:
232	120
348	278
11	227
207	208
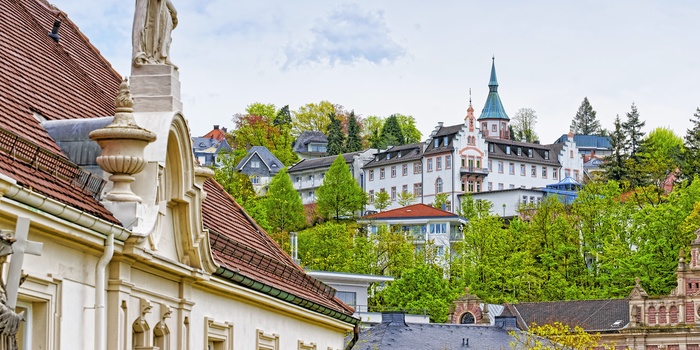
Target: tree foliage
585	122
263	125
382	200
615	164
353	143
410	132
692	145
285	211
391	133
339	195
557	336
336	138
406	198
314	117
421	288
523	125
633	129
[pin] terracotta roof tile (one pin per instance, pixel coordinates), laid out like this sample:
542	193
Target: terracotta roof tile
238	244
419	210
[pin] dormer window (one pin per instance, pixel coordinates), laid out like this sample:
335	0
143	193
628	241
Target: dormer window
388	156
507	149
529	152
398	155
520	151
436	143
546	154
491	147
445	141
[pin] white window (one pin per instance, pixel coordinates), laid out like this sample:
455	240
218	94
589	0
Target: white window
522	169
500	186
404	189
371	175
371	196
219	334
438	185
382	173
393	193
404	169
255	164
418	189
438	163
417	167
544	172
533	171
349	298
490	186
255	179
448	161
500	167
311	194
507	149
511	168
298	179
554	173
430	164
393	171
436	142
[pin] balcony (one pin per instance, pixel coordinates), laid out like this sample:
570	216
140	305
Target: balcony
472	170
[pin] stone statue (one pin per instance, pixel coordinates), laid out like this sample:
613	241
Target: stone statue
154	21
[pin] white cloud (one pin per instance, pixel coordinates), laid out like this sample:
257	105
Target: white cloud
347	35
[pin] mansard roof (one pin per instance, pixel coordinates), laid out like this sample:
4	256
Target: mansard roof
493	108
397	154
538	155
321	163
591	315
307	137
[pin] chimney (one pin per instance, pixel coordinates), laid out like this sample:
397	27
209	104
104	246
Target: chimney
54	32
506	322
216	127
394	318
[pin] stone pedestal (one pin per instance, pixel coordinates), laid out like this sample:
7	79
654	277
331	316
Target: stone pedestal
155	88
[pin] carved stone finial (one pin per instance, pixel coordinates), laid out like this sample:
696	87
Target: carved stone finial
637	282
122	143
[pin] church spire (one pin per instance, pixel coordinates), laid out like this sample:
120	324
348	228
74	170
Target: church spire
493	82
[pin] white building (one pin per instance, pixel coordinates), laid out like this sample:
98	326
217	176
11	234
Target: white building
476	156
307	175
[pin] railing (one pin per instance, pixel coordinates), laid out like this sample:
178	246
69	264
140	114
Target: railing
43	160
473	170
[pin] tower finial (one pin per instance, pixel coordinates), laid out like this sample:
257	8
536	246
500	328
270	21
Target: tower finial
470	96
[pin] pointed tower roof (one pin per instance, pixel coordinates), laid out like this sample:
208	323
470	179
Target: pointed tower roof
493	109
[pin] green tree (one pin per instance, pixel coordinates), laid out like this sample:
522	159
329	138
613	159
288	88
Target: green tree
557	336
633	129
660	154
285	212
406	198
314	117
410	132
523	124
692	145
339	195
391	132
354	142
382	200
585	122
615	164
421	288
372	131
335	135
262	125
238	185
326	247
440	201
283	117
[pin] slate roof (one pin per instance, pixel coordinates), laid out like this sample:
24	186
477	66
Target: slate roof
499	151
433	336
307	137
320	163
201	144
493	108
267	157
64	80
409	152
591	315
450	132
419	210
239	244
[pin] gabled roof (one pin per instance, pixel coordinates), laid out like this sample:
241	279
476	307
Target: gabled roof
271	162
320	163
591	315
493	108
201	144
243	249
307	137
40	78
419	210
397	154
217	133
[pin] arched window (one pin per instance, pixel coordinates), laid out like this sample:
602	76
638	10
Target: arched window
651	315
662	315
467	318
438	185
673	314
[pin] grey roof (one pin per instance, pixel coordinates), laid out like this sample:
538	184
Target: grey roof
444	131
202	143
433	336
499	151
307	137
319	163
72	136
271	162
591	315
409	152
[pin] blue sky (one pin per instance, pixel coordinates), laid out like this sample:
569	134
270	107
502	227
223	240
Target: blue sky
421	58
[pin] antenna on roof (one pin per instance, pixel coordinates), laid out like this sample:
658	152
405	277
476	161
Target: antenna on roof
470	96
54	32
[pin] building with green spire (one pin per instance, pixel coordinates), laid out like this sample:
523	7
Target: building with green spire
494	120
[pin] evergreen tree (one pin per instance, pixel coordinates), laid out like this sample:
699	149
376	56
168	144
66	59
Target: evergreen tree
615	166
353	143
285	212
335	135
391	132
585	122
339	195
283	117
633	129
692	148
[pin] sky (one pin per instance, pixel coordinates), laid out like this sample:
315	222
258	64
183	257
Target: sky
421	58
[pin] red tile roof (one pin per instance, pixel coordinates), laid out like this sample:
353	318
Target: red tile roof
216	134
68	79
412	211
240	245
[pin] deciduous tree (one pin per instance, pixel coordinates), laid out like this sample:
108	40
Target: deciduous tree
382	200
410	132
314	117
285	211
523	124
339	195
406	198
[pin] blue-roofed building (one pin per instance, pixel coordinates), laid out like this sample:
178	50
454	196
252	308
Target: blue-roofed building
208	147
566	189
261	166
593	149
493	118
